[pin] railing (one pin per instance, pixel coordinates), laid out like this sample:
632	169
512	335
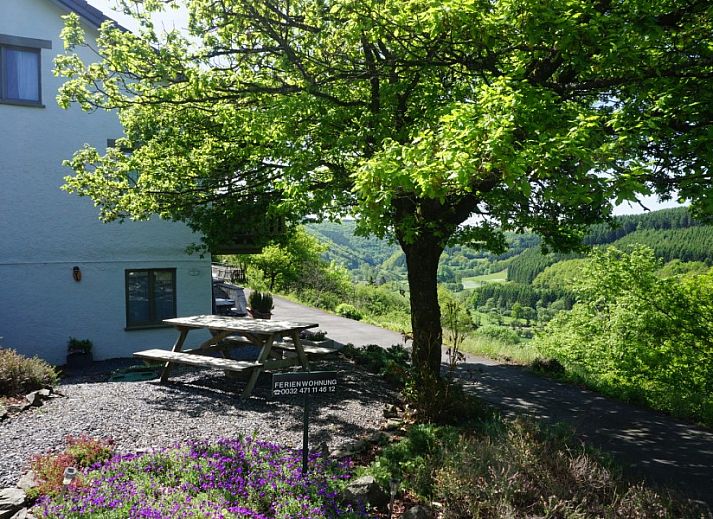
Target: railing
227	273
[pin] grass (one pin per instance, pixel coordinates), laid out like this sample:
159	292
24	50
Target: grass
479	281
522	353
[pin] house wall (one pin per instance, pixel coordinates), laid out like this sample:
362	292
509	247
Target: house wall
45	232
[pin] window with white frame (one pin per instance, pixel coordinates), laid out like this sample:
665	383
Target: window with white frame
21	69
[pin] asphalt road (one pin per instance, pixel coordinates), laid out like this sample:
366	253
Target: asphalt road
648	444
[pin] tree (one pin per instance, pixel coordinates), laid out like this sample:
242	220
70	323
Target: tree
283	264
411	116
638	333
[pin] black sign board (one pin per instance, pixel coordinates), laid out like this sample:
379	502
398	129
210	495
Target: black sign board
304	383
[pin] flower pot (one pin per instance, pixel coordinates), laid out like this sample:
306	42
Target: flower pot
256	314
79	359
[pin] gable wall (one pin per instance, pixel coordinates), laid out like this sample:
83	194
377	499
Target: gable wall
44	231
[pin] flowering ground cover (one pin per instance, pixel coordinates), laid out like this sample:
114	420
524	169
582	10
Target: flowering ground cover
231	478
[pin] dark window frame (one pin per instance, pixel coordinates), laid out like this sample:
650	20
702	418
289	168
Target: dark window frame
153	321
24	45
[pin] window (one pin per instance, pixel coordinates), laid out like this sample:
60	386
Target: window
150	297
20	72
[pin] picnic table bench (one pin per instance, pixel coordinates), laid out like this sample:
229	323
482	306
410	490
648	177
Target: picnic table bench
229	332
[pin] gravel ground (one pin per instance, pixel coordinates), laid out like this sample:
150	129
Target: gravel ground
194	404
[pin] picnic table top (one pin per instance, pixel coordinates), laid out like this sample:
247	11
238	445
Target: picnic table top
239	324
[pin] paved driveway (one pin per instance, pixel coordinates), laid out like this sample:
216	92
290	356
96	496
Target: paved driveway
648	444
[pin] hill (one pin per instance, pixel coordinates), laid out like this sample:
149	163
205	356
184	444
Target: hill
672	233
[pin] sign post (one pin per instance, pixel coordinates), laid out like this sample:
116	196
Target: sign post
304	383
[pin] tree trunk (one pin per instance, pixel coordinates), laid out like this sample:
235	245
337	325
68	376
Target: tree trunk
422	263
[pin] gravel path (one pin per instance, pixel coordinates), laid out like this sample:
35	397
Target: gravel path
195	404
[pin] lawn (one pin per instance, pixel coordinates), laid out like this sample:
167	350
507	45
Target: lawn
479	281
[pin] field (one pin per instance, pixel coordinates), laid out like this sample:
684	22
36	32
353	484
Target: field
478	281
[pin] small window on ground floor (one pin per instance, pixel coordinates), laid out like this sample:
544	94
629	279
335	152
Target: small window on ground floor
150	296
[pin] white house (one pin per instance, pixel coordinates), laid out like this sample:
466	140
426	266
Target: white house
62	272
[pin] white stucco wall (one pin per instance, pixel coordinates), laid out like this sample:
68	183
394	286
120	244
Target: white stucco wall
45	232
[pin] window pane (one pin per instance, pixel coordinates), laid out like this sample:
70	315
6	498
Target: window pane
164	295
22	70
138	295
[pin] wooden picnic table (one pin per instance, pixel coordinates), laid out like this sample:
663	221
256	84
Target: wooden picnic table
230	332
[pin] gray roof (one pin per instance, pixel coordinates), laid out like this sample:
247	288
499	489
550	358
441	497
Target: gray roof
91	14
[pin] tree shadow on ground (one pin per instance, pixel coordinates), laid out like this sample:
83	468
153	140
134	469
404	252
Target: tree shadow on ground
650	445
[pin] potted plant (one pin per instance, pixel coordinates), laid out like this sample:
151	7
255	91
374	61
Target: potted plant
79	352
260	304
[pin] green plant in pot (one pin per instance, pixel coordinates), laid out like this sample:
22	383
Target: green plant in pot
79	352
260	304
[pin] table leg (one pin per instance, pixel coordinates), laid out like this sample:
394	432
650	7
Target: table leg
176	347
300	350
264	354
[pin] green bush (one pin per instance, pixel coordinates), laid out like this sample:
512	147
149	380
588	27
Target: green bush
19	374
637	336
499	333
349	311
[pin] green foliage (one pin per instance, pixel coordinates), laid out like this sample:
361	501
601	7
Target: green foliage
349	311
677	267
639	336
505	295
19	374
373	108
692	244
260	302
498	333
603	234
283	265
79	345
563	275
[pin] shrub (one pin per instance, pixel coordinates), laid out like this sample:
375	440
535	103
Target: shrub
81	451
20	375
349	311
516	469
499	333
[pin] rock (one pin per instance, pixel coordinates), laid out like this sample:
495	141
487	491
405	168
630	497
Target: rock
391	411
365	490
417	512
392	425
11	500
3	412
33	399
22	514
27	481
349	449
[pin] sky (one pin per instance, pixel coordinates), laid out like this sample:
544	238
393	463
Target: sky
179	19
